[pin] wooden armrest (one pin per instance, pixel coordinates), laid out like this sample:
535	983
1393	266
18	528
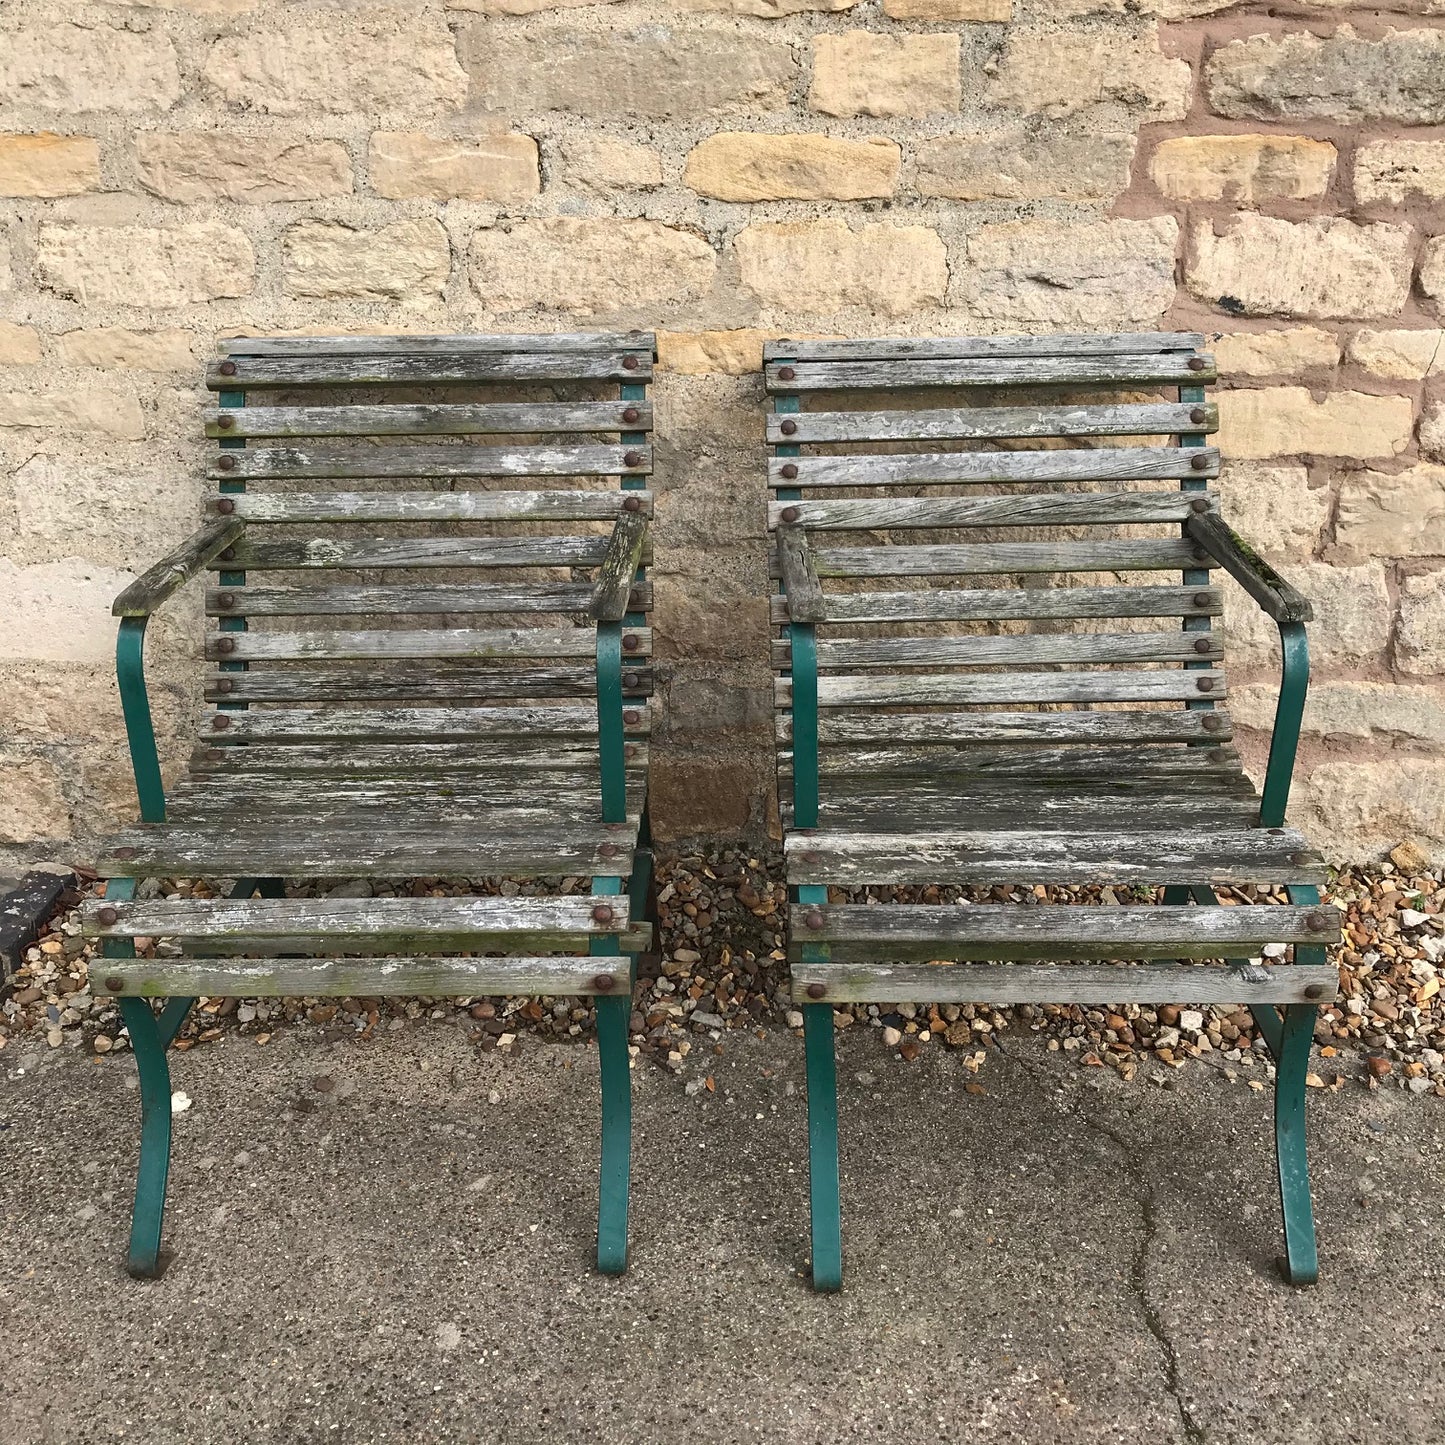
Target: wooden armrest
147	592
800	576
1281	601
613	588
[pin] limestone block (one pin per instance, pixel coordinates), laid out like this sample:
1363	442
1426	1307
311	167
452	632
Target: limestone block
861	73
405	165
1360	810
1399	355
1352	616
119	347
45	165
144	265
742	166
118	416
1392	171
1246	169
407	259
201	165
1281	421
1432	431
59	612
703	353
1022	163
82	68
1361	710
1422	624
1432	271
946	10
602	164
1284	351
1273	507
32	801
19	345
1392	514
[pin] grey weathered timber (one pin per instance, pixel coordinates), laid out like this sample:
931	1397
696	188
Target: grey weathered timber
398	680
1018	784
452	761
858	933
452	724
982	558
1002	984
1066	509
983	423
438	642
1279	599
152	588
896	348
1178	763
936	689
1004	603
505	792
1016	728
466	506
794	564
418	460
1167	368
370	599
1030	650
618	570
261	373
361	977
1084	464
434	419
1073	856
446	345
415	552
916	803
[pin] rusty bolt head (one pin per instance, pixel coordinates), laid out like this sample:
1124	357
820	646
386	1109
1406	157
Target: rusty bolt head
1300	860
1202	599
790	471
791	514
1205	684
1275	832
816	990
125	852
1198	414
1316	922
225	644
225	506
1201	554
602	913
629	750
227	368
632	504
229	555
225	423
631	679
629	363
1212	723
788	428
786	373
631	642
1314	990
632	716
814	919
224	684
603	983
214	755
812	857
225	600
107	916
1199	504
115	984
226	463
631	414
632	459
608	850
1199	463
220	722
1202	645
1196	363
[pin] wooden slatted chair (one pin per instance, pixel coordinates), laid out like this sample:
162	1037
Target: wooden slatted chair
960	706
452	682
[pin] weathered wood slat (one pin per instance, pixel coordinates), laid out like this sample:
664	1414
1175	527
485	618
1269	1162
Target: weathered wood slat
1179	764
475	643
1002	984
434	849
1033	650
385	552
417	460
456	761
984	423
1278	598
1075	856
467	506
152	588
454	419
794	564
434	680
896	348
402	724
361	977
512	812
991	604
1083	369
931	690
419	600
1087	464
461	344
618	568
858	933
1014	728
495	787
909	804
961	785
375	368
1047	509
979	559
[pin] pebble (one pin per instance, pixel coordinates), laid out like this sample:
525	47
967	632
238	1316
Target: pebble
891	1037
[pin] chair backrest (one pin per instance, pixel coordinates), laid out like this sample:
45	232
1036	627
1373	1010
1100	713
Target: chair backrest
992	521
423	518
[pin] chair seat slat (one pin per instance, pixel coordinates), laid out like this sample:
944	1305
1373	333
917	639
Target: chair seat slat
925	690
1080	464
985	558
472	643
422	460
466	506
1046	509
414	724
997	604
1029	650
419	600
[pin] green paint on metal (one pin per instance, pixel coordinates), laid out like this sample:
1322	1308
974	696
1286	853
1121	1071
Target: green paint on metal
1302	1264
825	1205
616	1161
1288	714
610	741
136	709
805	726
149	1048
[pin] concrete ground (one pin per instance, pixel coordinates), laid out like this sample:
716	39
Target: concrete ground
389	1242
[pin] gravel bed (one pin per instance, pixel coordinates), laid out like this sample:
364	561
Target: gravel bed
722	966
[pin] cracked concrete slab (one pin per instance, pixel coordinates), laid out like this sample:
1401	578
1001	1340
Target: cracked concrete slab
403	1254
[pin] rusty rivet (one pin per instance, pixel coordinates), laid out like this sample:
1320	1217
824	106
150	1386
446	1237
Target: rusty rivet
608	850
790	471
602	913
1205	684
225	644
226	463
1212	722
227	368
816	990
1316	922
1198	414
1314	990
1196	363
629	363
1199	463
631	642
629	750
603	983
1201	555
632	504
631	414
791	514
114	984
632	459
1202	599
812	857
632	716
788	428
225	506
814	919
225	600
631	679
1275	832
215	755
107	916
229	555
1199	504
1300	860
225	423
125	852
220	723
786	373
1202	645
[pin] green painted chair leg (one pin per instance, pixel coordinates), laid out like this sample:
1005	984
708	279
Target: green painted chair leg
827	1222
1301	1265
612	1015
149	1037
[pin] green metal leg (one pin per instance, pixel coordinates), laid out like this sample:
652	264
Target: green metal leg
612	1015
1176	895
149	1037
823	1146
1301	1263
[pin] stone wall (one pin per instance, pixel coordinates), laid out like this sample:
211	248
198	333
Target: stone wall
725	170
